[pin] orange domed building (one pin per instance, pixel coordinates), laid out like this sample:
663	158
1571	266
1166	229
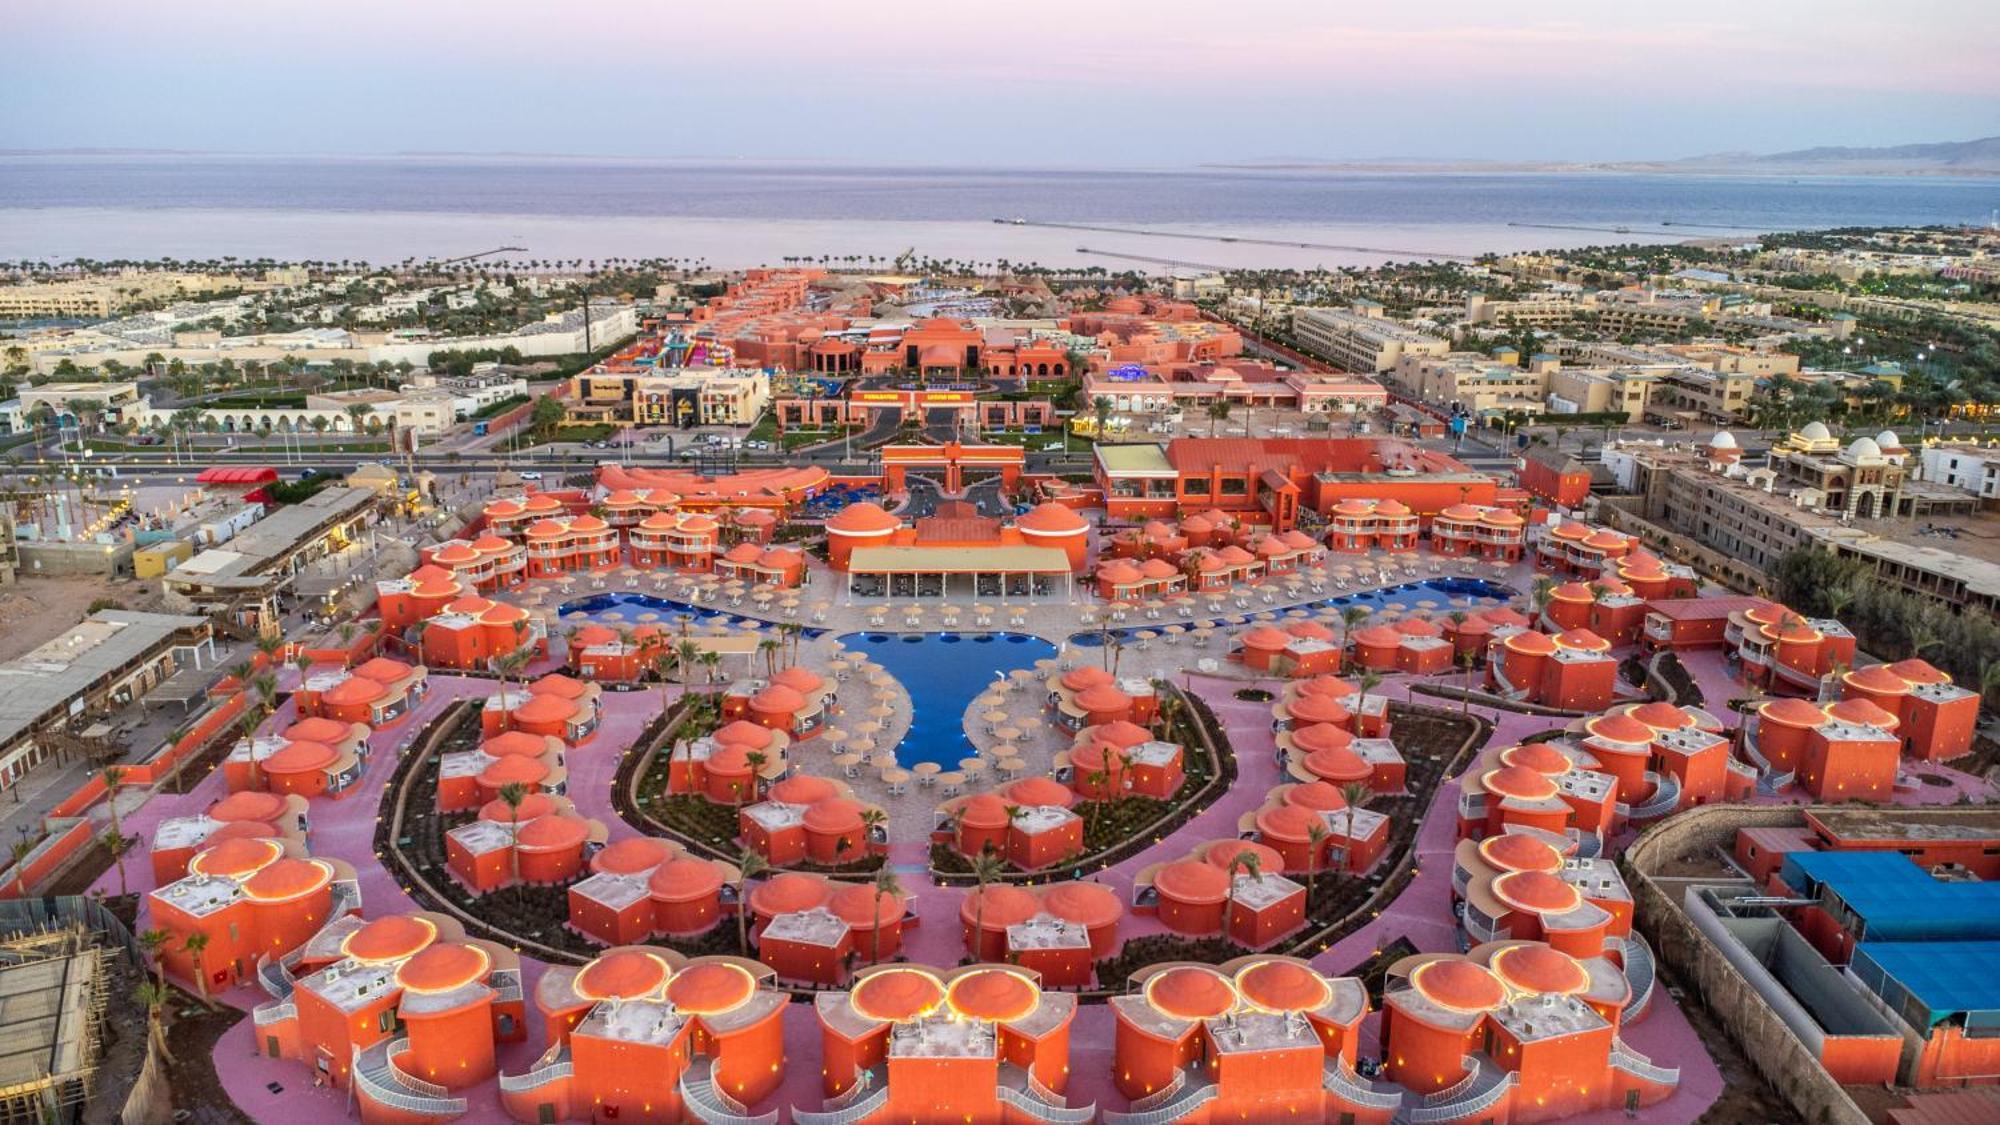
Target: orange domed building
647	1035
1327	752
933	1045
555	705
1478	531
509	849
719	767
1933	717
1259	1038
1060	930
812	819
254	898
1197	897
1574	670
813	929
423	594
248	765
1350	839
376	694
404	1008
468	779
1044	830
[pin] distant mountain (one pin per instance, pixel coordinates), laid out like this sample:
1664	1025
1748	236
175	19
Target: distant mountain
1947	158
1978	156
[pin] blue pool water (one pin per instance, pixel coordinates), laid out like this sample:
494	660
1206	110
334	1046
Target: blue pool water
1440	590
629	605
943	673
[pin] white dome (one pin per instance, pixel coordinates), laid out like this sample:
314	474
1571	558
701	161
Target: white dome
1863	449
1816	431
1723	439
1887	439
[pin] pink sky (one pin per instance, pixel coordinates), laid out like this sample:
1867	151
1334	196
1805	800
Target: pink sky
1029	81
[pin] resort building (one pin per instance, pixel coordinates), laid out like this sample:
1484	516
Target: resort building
1327	751
807	819
1361	339
795	701
813	930
641	887
1058	931
501	848
1415	645
469	779
403	1010
1333	701
243	579
1463	531
1119	759
1571	671
1259	1038
375	694
981	1043
250	814
644	1034
1934	718
1311	828
1222	889
721	766
1030	824
472	633
252	899
311	758
955	550
554	705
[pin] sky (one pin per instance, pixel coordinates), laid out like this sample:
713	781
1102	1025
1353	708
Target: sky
1027	83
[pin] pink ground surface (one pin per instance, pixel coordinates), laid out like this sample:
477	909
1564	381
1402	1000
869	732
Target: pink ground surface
344	829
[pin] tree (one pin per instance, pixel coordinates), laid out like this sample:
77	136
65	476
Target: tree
194	944
119	845
756	760
886	886
1316	835
986	867
153	996
546	417
1355	794
1370	680
511	795
356	411
113	777
154	943
749	865
872	819
1218	411
1350	617
1100	410
1246	860
22	849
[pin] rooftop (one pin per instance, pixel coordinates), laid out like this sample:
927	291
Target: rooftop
37	685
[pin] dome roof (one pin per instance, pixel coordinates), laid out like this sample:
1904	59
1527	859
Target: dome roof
1327	685
1722	439
1887	440
1816	431
732	759
301	757
1519	781
591	635
624	973
1039	790
984	810
1418	627
1191	881
897	995
1085	677
1311	630
1571	530
532	806
554	832
545	708
862	907
513	771
1266	637
1460	512
711	987
1290	824
1219	853
777	700
1320	796
1537	756
1051	518
1459	985
587	522
1661	715
241	830
1119	572
1157	569
685	879
237	857
318	729
632	855
803	789
744	733
863	518
1540	969
1283	986
1339	765
1863	449
1321	736
518	743
384	670
1530	643
391	937
745	552
1518	851
443	967
801	680
354	690
1877	678
1919	671
1005	905
250	804
1537	891
1582	640
452	554
788	893
1619	727
1862	712
997	995
1103	699
1090	905
1189	992
1791	712
835	816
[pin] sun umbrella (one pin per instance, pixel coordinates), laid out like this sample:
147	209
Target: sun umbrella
1022	675
861	747
895	775
1029	722
1007	734
881	711
867	726
846	760
833	736
883	761
994	717
972	767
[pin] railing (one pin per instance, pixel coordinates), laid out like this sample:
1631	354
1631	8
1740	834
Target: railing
1472	806
407	1080
1341	1081
847	1114
1162	1095
536	1078
1625	1060
377	1075
1465	1107
1665	799
712	1105
1042	1111
1190	1100
276	981
1640	972
1753	752
1457	1089
275	1012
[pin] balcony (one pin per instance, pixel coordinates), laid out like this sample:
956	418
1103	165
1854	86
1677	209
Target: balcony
1640	974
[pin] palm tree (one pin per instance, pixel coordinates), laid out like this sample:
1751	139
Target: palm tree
194	944
113	777
1218	411
154	942
512	794
1355	794
509	666
711	661
756	759
871	819
1370	680
118	844
153	996
1315	836
1254	867
986	867
1467	660
749	865
1544	589
22	849
1349	617
768	649
886	885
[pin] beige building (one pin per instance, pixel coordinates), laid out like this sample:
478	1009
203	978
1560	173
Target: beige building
1361	339
686	397
95	298
1590	390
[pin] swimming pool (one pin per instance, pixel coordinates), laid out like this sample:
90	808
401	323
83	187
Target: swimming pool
624	608
944	672
1440	590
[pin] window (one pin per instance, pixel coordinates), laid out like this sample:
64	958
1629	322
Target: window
1194	486
386	1021
1235	486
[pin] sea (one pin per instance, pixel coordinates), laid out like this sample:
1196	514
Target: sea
734	214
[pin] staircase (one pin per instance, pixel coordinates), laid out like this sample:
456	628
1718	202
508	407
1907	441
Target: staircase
377	1077
1187	1098
710	1104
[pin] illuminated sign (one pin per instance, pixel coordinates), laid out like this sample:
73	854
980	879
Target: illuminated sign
1129	373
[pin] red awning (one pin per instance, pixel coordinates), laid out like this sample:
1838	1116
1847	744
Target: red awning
238	474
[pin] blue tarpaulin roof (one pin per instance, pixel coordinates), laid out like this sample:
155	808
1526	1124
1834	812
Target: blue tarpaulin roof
1944	977
1897	900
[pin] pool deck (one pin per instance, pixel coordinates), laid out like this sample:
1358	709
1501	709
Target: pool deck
344	828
